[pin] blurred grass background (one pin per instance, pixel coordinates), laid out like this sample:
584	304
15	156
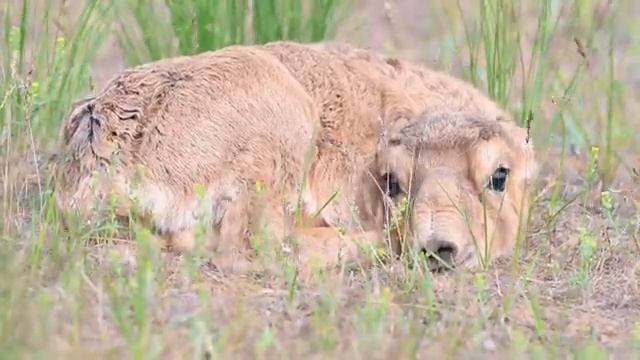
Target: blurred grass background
567	68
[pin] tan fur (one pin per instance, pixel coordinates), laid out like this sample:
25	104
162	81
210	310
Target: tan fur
193	137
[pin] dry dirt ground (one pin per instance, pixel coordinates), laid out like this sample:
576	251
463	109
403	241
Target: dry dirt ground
518	306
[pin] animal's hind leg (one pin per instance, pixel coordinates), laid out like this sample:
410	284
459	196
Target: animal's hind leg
226	233
231	237
245	216
183	241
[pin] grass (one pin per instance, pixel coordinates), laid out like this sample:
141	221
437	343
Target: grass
570	290
194	26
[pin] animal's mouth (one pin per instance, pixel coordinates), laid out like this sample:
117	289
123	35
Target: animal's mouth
465	261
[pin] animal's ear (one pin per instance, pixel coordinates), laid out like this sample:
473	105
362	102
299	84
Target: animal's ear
391	135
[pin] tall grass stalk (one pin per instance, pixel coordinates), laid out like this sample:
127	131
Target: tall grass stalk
499	36
497	23
42	74
612	90
194	26
533	82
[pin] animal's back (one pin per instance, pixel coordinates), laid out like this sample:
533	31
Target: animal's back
215	119
360	93
210	109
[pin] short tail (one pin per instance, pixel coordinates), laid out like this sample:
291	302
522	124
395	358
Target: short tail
84	150
83	132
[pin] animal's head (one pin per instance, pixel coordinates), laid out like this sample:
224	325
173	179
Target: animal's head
460	183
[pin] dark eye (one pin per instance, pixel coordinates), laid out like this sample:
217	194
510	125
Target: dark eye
498	180
391	185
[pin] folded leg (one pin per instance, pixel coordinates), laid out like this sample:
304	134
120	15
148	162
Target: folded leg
327	248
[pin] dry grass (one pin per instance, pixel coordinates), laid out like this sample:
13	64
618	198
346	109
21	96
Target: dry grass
571	290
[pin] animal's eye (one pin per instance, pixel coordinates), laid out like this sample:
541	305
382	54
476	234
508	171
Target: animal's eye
391	185
498	179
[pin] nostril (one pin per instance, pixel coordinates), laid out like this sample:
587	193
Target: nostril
440	253
441	247
446	251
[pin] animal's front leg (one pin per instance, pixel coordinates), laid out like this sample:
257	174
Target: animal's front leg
326	248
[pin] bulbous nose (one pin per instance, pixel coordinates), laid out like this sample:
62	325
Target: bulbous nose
440	253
